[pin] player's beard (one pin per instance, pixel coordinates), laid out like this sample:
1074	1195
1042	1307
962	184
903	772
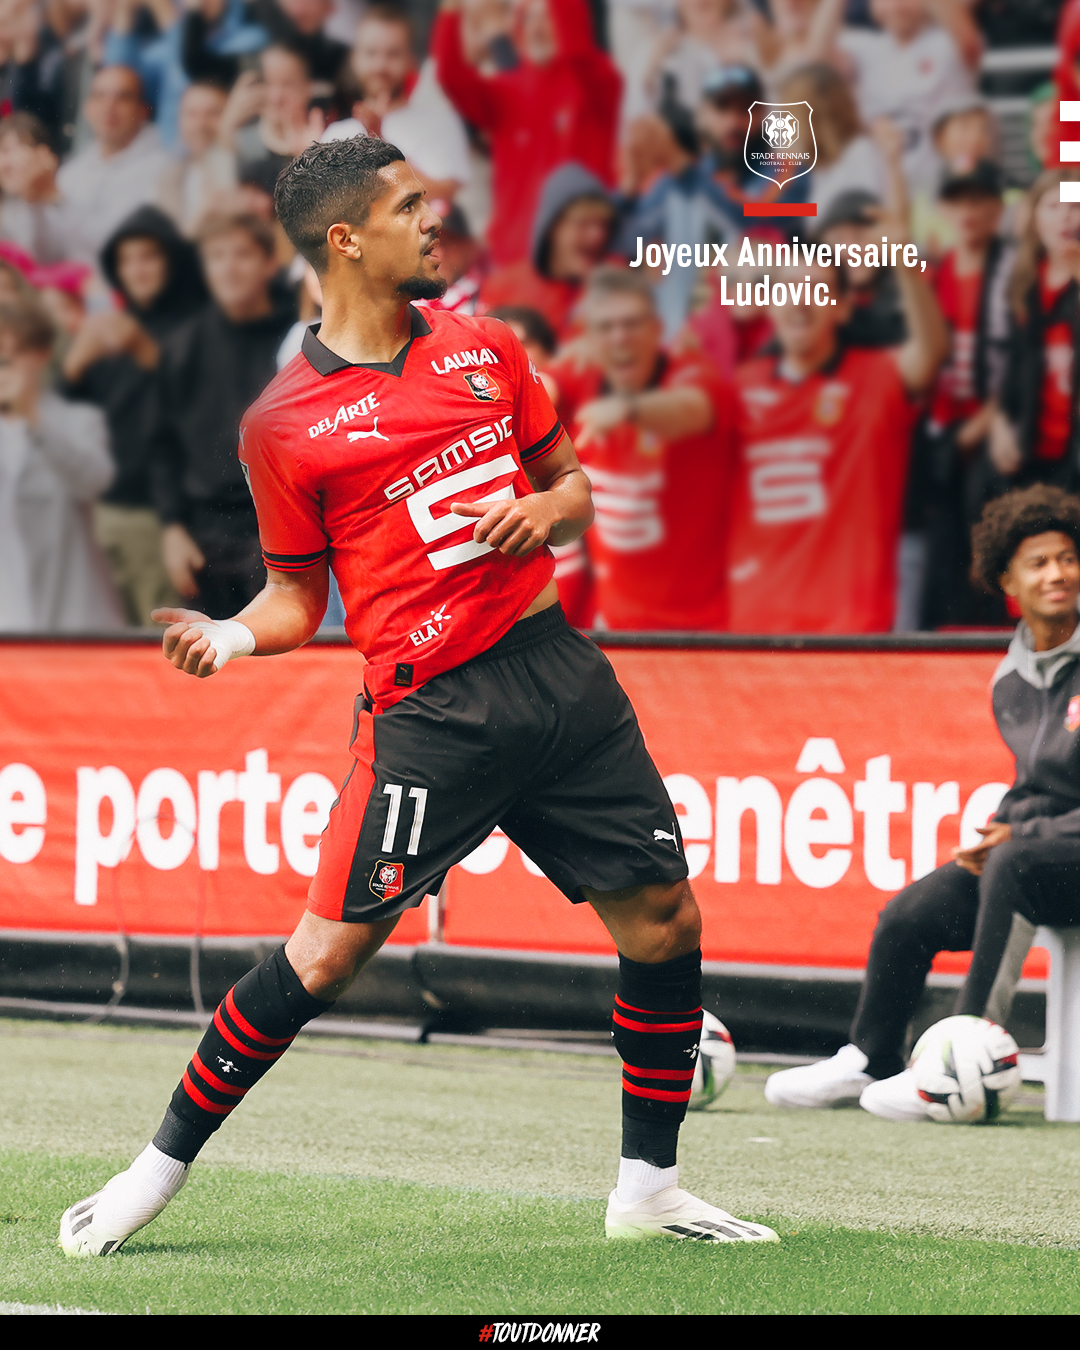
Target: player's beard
422	288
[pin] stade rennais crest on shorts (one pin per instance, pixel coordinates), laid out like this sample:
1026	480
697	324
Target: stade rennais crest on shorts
780	144
388	879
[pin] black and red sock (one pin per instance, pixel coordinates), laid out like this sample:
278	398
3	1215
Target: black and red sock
657	1027
255	1024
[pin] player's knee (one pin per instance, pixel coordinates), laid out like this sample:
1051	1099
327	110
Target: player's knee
675	926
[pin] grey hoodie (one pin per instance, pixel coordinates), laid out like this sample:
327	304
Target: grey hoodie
1036	698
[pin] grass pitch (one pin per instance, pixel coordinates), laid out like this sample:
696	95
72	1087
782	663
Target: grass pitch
367	1177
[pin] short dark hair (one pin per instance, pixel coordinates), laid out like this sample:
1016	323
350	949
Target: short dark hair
1009	520
531	322
258	230
336	181
611	279
29	323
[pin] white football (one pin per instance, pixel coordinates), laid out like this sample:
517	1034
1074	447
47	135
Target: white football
966	1069
715	1066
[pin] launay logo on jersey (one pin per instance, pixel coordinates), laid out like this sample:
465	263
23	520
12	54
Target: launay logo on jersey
479	356
388	879
1072	714
481	385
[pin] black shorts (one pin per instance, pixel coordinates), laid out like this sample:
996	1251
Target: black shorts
534	735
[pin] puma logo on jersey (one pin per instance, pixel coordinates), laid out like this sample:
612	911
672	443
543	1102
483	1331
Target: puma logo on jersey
482	356
365	435
362	408
663	834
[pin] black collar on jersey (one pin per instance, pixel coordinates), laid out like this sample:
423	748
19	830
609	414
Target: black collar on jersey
326	362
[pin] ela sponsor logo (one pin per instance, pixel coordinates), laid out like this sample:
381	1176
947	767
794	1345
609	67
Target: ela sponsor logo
1072	715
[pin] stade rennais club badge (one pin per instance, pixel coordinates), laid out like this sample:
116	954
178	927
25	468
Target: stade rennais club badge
388	879
780	144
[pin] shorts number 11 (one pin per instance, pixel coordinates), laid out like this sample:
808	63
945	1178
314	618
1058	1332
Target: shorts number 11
419	795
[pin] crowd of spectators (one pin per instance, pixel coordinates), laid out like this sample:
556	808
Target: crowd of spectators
758	465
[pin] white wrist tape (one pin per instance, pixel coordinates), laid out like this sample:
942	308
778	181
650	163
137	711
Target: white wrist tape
229	638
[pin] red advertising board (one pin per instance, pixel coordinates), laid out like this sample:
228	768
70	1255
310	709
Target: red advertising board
810	786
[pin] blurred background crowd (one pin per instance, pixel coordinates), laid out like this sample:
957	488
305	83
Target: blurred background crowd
762	466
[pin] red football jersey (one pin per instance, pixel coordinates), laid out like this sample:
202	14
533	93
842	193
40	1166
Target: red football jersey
818	508
657	545
364	461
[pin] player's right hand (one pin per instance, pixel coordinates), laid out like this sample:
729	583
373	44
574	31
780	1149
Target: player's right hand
186	642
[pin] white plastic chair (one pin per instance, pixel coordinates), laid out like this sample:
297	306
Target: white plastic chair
1061	1056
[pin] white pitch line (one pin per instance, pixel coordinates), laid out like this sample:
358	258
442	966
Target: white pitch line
47	1310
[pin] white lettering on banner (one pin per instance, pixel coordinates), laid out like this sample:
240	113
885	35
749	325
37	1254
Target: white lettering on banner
734	797
819	752
802	828
304	814
786	478
215	791
92	848
628	509
878	798
257	788
692	805
813	830
165	852
930	804
819	815
22	803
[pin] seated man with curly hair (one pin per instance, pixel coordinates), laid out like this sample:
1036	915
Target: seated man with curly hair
1027	545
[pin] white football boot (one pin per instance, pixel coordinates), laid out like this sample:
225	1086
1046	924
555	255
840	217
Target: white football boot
102	1223
839	1081
895	1098
674	1213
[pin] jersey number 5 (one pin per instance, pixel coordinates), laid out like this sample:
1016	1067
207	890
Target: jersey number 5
430	528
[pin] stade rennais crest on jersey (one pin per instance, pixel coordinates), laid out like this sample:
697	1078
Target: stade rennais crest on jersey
780	144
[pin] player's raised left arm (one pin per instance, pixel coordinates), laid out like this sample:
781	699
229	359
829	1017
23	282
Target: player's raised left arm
283	616
558	511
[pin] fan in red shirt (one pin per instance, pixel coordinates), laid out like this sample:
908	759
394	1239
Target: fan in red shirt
559	104
423	456
652	432
824	435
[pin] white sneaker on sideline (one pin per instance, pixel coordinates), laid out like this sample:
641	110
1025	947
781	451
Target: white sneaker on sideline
839	1081
895	1098
103	1222
674	1213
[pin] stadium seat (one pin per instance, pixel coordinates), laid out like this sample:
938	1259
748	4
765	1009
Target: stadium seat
1061	1057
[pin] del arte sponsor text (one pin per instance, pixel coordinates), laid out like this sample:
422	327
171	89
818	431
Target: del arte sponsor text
813	831
795	254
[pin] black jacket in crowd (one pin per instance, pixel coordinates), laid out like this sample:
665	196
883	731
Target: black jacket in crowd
211	371
118	385
1037	707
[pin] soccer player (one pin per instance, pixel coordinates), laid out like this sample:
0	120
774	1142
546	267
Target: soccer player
421	458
